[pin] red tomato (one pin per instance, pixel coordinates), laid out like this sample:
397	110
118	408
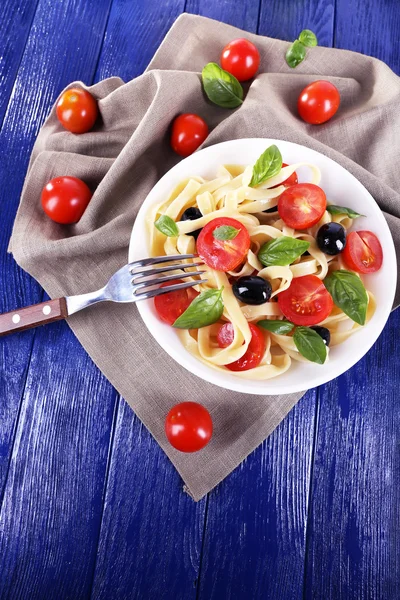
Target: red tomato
77	110
240	58
254	353
318	102
291	180
171	305
223	255
302	205
64	199
363	252
306	301
188	132
188	427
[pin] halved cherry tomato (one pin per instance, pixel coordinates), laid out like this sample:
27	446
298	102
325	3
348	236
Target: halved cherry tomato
64	199
223	255
171	305
306	301
302	205
318	102
188	426
291	180
188	132
240	58
77	110
255	350
363	252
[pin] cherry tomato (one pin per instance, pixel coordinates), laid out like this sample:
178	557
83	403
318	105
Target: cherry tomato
318	102
171	305
240	58
302	205
223	255
77	110
64	199
306	301
363	252
188	427
291	180
255	350
188	132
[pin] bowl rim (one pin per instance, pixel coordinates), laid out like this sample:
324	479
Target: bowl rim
229	381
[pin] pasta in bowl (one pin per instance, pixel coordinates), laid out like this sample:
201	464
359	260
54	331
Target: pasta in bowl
271	236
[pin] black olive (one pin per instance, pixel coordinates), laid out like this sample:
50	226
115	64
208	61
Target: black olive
324	333
252	290
331	238
191	214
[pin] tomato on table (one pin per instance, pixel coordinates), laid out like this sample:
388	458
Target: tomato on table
64	199
255	350
223	254
291	180
188	426
363	252
302	205
77	110
171	305
306	301
188	132
318	102
240	58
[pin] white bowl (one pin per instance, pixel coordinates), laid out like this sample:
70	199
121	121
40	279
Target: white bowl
341	188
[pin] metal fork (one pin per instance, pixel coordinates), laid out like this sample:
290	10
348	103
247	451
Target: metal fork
131	283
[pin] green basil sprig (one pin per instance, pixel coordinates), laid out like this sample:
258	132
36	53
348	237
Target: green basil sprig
282	251
267	165
205	309
308	38
167	226
225	232
276	326
348	294
310	344
343	210
221	87
296	52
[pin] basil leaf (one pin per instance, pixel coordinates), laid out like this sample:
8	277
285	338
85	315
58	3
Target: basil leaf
310	344
295	54
308	38
343	210
167	226
348	294
205	309
266	166
225	232
282	251
278	327
221	87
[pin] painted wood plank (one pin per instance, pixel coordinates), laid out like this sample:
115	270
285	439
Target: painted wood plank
15	24
285	20
242	14
353	542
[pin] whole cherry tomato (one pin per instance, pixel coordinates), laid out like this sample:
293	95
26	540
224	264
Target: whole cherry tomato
188	427
64	199
188	132
77	110
240	58
318	102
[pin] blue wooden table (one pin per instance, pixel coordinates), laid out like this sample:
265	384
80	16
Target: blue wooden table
89	505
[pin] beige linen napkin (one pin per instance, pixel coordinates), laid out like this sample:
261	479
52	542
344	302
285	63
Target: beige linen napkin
124	157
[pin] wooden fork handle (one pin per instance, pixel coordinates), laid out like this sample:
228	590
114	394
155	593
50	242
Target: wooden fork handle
32	316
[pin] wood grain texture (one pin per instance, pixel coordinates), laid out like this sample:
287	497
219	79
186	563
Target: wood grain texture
32	316
15	24
242	14
285	20
151	531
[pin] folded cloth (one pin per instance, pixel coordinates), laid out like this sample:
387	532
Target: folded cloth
122	159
